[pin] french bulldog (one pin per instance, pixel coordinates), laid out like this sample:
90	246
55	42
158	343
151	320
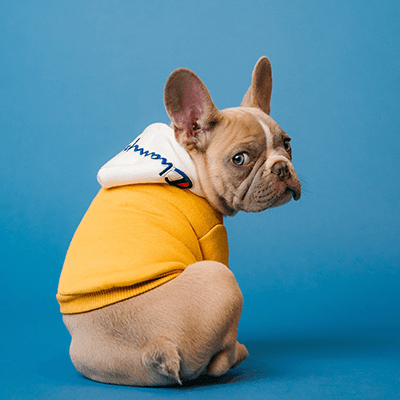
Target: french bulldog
186	325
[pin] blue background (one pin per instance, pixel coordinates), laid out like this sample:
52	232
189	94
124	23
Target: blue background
320	277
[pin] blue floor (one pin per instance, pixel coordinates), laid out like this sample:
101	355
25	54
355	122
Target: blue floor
35	365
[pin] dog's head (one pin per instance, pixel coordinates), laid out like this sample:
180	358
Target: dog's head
243	158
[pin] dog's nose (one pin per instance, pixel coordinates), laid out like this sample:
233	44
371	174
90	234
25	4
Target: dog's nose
281	169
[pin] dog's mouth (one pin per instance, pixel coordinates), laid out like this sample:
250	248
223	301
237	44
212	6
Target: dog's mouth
262	196
289	193
295	193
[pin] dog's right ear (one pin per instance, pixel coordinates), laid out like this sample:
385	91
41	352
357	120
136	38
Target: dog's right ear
191	109
259	93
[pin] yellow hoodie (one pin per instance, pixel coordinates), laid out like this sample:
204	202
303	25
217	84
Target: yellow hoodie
134	238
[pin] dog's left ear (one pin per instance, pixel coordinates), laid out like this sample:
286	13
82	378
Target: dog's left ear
259	93
190	107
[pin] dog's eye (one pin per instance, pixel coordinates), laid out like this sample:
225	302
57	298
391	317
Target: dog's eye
286	144
241	159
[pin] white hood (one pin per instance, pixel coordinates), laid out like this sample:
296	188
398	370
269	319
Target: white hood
153	157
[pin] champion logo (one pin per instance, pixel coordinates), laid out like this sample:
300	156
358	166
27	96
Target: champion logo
172	175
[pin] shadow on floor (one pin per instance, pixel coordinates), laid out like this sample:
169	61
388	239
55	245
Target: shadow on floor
269	359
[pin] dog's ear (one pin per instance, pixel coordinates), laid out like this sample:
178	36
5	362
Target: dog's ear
190	107
259	93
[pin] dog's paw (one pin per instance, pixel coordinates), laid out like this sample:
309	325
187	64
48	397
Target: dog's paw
226	359
242	354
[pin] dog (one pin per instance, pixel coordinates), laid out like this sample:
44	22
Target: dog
145	291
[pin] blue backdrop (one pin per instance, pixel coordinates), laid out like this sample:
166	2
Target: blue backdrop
320	277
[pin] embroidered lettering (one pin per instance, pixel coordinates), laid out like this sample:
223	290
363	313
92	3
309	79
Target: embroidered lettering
183	182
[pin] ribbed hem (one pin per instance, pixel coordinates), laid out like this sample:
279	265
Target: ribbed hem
79	303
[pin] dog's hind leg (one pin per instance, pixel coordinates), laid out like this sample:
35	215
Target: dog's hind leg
227	358
170	334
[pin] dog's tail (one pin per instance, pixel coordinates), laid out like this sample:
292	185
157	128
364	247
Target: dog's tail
163	358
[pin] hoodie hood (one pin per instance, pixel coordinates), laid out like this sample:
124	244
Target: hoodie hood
153	157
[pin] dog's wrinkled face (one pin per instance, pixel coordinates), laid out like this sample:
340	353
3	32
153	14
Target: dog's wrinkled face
247	165
243	158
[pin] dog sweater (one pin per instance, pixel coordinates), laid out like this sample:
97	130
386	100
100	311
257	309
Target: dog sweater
142	229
